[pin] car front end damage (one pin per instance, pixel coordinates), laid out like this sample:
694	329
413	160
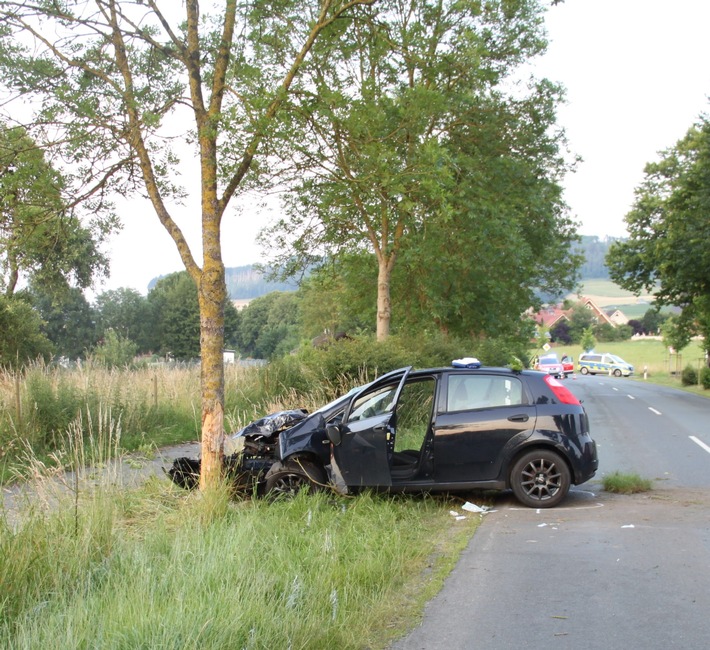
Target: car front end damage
256	448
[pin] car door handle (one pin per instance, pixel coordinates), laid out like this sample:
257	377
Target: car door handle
380	428
522	417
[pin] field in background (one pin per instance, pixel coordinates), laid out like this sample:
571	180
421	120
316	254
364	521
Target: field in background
646	353
606	294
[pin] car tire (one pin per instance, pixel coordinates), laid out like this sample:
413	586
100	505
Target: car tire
617	373
584	370
540	479
289	478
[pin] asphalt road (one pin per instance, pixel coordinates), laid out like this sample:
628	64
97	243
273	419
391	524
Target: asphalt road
600	571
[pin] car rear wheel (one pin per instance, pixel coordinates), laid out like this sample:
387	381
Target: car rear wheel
289	478
584	370
540	479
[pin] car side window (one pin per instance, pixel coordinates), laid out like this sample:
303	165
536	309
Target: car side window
375	403
468	392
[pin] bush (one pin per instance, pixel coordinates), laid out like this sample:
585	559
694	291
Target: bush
705	378
689	376
115	351
361	359
621	483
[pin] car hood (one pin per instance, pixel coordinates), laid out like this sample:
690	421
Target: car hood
271	424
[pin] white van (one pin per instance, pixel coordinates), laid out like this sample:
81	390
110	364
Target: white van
606	363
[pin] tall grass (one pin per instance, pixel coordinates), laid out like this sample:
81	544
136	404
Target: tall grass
160	405
158	569
154	406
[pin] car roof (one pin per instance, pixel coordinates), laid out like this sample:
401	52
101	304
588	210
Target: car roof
482	370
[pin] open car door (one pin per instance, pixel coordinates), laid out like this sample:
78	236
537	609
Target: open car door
364	442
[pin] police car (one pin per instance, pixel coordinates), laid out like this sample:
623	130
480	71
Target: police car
591	363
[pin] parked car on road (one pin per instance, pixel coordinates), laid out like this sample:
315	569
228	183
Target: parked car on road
608	364
567	365
550	364
441	429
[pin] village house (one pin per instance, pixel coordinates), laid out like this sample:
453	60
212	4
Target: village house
551	315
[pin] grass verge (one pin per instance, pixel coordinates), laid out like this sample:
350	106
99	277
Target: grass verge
156	568
626	483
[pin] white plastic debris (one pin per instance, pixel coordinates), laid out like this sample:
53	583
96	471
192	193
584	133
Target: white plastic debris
472	507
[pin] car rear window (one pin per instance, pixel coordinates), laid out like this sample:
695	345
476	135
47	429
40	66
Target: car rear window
467	392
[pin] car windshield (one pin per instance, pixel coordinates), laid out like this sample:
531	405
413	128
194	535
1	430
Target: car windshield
613	357
549	358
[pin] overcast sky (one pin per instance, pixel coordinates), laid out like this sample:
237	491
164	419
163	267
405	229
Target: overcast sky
637	75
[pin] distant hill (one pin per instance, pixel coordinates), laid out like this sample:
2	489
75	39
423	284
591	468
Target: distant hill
594	250
246	282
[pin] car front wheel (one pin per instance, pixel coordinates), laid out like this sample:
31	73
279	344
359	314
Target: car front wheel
617	373
289	478
584	370
540	479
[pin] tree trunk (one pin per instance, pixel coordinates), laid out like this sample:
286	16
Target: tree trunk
384	311
212	293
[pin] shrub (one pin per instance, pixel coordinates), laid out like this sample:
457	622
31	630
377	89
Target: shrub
115	351
360	359
621	483
689	376
705	378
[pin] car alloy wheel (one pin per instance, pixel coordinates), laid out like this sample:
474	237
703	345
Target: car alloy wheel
289	478
540	479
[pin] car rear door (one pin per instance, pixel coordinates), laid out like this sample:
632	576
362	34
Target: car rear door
364	454
482	418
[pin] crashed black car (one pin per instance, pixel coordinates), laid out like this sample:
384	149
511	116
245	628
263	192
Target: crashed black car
442	429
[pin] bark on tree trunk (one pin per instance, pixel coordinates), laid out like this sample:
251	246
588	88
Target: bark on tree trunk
212	293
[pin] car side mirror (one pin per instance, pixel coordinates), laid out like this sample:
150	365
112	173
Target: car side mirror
333	432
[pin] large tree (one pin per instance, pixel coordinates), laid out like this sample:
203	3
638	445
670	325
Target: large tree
106	74
667	251
21	336
42	238
129	314
68	322
268	325
174	317
420	150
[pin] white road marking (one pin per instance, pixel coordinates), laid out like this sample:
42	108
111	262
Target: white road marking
630	397
700	443
654	411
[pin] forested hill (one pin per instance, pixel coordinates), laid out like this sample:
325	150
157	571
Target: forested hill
245	282
595	251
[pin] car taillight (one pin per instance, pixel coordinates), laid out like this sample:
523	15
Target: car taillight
561	393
